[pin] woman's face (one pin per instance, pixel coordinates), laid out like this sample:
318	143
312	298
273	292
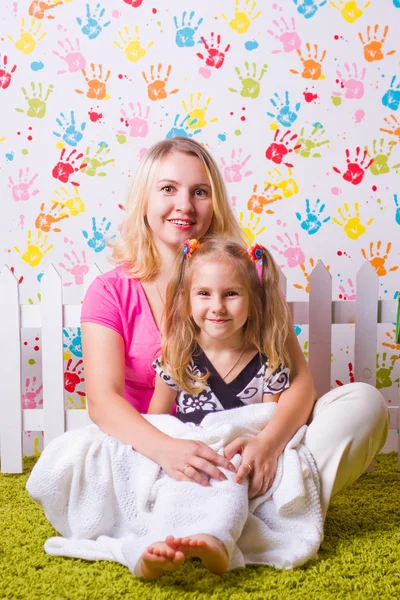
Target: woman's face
179	205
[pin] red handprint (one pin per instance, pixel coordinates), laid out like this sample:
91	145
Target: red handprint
63	170
215	57
279	148
134	3
355	169
351	375
5	76
72	378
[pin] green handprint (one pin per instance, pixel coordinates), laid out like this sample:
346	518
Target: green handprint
36	104
250	85
93	162
309	144
380	166
383	374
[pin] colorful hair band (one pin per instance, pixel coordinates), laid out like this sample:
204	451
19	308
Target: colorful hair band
189	247
256	252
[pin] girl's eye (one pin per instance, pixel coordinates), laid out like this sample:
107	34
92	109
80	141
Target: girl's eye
231	294
203	294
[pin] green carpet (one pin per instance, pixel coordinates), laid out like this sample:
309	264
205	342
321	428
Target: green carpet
360	557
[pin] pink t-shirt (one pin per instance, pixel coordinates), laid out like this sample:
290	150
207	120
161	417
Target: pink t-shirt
117	301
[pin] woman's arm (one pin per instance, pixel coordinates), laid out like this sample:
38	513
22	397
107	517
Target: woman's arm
163	398
104	356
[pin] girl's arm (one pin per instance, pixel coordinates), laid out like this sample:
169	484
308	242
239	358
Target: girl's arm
104	355
163	398
294	409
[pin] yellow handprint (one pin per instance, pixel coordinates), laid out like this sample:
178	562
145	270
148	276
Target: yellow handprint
74	204
197	113
352	225
250	229
349	10
35	250
132	48
288	186
28	40
243	18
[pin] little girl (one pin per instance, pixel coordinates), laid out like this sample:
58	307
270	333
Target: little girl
224	347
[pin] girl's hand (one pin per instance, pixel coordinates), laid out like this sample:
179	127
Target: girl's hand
261	461
189	460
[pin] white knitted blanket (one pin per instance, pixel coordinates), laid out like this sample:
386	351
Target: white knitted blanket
110	503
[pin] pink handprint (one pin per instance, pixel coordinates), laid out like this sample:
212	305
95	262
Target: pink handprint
20	190
280	148
355	168
214	57
5	76
292	252
29	398
345	295
64	169
288	37
232	173
73	57
353	85
75	267
137	122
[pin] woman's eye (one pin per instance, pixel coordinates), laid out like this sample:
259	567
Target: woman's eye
201	193
167	188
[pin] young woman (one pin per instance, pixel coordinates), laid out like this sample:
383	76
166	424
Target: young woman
178	193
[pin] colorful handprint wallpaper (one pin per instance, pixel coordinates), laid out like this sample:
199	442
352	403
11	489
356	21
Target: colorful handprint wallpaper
298	101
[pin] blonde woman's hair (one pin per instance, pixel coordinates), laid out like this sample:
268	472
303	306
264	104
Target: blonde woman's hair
268	322
135	248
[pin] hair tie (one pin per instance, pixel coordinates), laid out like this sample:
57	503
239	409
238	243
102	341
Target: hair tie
189	247
256	252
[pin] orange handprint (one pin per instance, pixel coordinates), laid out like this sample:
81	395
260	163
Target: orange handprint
257	202
376	260
307	274
392	344
96	85
373	46
37	8
156	87
394	126
312	67
45	220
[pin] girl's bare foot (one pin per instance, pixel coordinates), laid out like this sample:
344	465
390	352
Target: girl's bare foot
207	548
160	558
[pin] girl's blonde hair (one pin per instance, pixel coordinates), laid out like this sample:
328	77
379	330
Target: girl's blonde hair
267	325
135	248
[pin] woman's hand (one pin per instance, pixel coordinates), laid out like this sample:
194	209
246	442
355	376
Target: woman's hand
258	463
189	460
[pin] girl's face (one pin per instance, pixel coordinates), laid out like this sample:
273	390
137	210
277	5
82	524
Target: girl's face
179	205
219	301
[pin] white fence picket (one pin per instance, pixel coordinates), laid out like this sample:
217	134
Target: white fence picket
366	335
52	355
320	332
10	375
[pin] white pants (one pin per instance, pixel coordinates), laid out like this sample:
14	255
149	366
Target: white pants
349	426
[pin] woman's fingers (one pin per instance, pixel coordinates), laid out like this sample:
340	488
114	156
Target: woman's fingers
242	473
191	474
201	464
213	457
233	448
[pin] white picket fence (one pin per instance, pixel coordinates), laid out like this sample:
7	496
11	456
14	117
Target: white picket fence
51	316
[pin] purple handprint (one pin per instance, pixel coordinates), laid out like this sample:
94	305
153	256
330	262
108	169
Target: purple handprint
232	172
20	190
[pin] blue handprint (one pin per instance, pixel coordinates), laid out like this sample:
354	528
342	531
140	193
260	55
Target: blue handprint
297	330
396	3
312	222
284	115
92	28
308	8
182	130
98	241
74	342
185	32
396	201
70	135
391	98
